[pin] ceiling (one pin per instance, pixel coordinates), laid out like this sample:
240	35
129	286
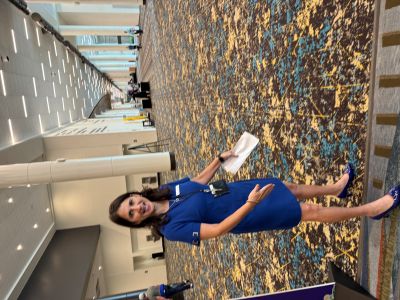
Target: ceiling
94	26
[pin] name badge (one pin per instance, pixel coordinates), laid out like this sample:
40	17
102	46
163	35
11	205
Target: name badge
177	190
219	188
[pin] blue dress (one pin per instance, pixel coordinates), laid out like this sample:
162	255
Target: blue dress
280	210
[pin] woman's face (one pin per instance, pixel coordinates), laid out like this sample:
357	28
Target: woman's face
135	209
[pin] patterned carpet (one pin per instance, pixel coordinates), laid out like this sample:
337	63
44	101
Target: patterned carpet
295	74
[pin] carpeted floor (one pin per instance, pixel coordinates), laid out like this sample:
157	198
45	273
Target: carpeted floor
295	74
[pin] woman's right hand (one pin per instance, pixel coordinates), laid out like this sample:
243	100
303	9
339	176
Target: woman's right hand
257	194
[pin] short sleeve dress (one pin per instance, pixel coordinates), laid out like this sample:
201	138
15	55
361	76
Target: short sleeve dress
193	206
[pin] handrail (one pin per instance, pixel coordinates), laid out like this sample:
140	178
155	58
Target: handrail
104	97
21	4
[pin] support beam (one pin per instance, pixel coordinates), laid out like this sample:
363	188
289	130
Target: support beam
74	30
114	2
108	64
112	57
79	169
105	47
115	69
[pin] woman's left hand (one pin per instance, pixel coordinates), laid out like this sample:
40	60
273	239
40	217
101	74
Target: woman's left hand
228	154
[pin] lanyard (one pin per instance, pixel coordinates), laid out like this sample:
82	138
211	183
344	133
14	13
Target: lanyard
180	198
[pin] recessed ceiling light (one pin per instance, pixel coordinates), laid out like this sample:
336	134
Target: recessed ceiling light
43	74
49	55
28	185
13	39
2	83
19	247
40	124
55	47
35	226
24	106
26	30
34	86
58	119
100	267
37	36
47	210
11	131
48	105
10	200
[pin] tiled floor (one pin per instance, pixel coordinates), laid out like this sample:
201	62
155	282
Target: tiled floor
296	75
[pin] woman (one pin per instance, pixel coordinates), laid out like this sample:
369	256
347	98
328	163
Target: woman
187	211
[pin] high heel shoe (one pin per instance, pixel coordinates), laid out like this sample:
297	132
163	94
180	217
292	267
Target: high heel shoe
395	193
349	170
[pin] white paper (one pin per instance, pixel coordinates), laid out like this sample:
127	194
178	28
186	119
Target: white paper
243	148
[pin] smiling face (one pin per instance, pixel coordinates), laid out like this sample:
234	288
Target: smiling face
135	209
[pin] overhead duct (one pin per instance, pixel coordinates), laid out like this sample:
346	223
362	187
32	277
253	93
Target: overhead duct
79	169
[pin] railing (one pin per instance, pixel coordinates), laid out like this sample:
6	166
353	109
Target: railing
102	105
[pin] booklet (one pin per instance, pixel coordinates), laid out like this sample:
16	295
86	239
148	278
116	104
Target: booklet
243	148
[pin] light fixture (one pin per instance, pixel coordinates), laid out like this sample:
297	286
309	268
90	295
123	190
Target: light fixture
24	105
35	226
43	74
2	83
58	119
10	200
54	90
37	36
19	247
49	55
11	131
47	210
55	47
34	86
40	124
13	39
48	105
26	30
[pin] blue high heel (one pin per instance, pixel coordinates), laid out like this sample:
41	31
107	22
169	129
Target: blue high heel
349	170
395	193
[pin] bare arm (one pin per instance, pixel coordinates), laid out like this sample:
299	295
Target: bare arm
208	231
208	173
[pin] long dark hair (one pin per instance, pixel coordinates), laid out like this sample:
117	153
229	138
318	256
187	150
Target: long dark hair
154	222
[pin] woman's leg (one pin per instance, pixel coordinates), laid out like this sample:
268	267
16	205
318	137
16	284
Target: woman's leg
317	213
302	191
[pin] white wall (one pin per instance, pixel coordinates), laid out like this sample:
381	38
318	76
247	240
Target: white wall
75	92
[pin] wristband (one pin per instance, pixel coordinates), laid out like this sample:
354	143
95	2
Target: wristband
220	158
252	201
